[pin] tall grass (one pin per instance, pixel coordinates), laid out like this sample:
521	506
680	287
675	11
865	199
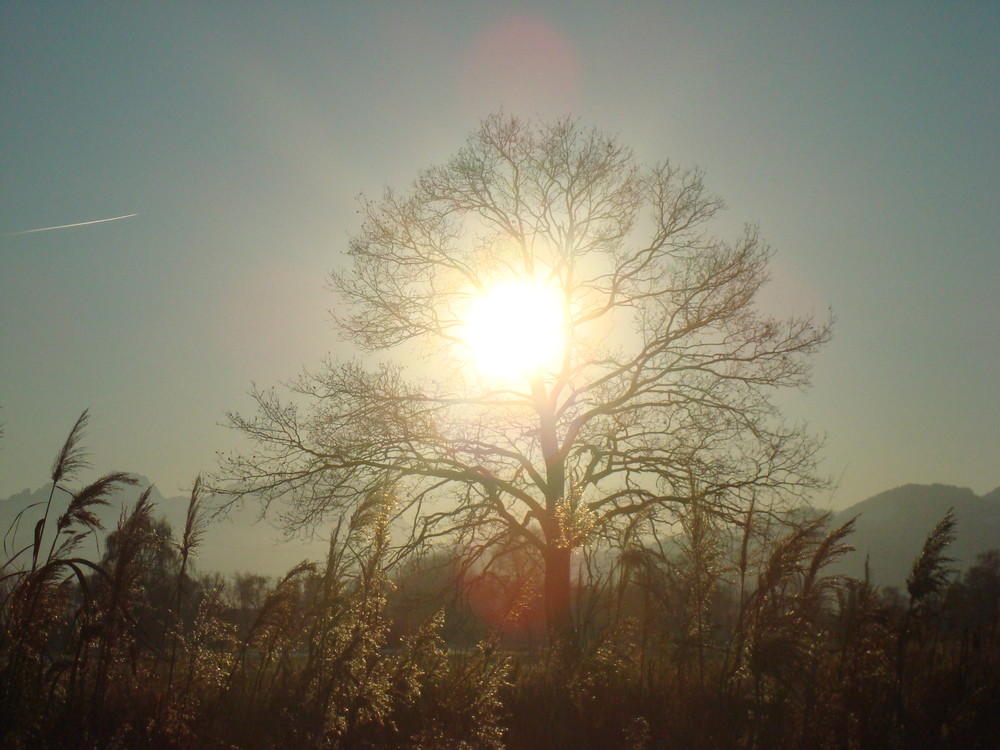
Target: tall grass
734	635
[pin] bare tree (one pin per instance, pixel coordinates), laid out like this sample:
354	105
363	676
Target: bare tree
660	393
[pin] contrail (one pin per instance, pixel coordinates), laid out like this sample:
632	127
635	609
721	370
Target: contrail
67	226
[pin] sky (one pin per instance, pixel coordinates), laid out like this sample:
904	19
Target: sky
236	137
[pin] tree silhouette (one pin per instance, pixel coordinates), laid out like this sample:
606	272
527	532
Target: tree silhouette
661	392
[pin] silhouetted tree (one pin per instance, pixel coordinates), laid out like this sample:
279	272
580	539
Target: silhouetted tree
147	565
249	590
977	598
661	394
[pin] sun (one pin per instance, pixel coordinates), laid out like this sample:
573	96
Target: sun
516	328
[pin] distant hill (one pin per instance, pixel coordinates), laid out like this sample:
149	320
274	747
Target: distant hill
891	529
892	526
233	544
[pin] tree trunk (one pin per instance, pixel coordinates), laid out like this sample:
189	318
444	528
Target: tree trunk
558	612
558	599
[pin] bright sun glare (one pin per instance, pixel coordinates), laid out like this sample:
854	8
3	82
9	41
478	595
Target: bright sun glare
516	328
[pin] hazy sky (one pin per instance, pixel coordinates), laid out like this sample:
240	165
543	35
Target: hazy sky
864	138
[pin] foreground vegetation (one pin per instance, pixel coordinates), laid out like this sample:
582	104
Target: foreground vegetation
733	635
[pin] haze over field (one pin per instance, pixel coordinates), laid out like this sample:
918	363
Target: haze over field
230	143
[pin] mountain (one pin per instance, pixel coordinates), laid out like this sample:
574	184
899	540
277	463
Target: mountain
232	544
890	530
892	526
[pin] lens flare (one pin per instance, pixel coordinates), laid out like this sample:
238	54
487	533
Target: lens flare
516	328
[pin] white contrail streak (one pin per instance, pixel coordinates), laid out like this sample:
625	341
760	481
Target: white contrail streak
68	226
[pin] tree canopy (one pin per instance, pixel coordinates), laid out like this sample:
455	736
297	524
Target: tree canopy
660	392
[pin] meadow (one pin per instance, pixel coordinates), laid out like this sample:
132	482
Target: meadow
731	636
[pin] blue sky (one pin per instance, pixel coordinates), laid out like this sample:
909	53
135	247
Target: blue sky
862	137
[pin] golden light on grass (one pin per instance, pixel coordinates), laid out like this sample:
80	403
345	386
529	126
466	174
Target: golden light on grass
516	328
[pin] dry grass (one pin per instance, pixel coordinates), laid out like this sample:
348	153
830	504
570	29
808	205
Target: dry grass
713	645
